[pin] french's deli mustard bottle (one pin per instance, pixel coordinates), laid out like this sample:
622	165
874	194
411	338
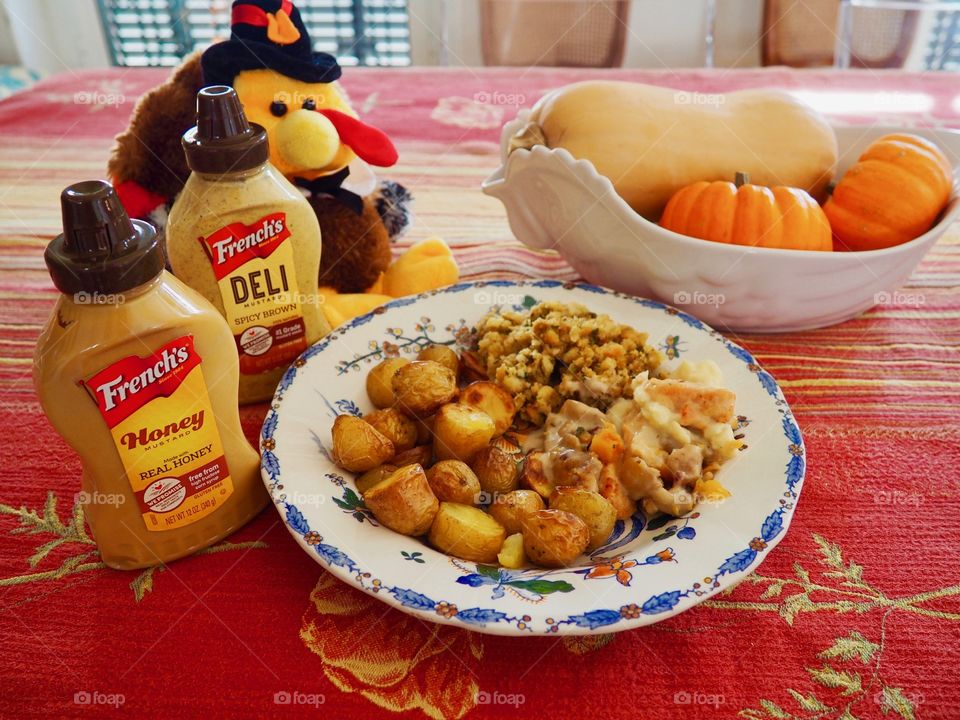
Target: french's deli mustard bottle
244	237
137	372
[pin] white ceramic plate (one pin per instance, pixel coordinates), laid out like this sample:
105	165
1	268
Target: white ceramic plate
648	571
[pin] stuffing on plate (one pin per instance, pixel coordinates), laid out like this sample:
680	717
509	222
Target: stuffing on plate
557	352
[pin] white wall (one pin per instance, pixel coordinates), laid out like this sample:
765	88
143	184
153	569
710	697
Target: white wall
56	35
8	50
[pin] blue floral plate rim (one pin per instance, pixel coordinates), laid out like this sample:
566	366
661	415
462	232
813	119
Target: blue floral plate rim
532	586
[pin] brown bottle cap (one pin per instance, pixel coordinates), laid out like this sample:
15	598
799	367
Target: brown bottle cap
223	141
101	249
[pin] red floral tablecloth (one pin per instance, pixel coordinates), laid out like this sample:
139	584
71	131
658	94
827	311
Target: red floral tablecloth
855	615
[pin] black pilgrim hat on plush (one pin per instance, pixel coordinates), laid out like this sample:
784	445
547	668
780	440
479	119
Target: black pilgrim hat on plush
267	34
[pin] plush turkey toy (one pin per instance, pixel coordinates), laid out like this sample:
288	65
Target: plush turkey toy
316	140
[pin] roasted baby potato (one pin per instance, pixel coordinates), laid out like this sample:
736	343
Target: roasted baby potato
497	469
595	510
454	481
421	387
534	474
424	430
380	382
467	532
372	477
419	455
511	554
554	538
471	367
396	426
357	445
493	400
461	431
511	508
440	354
403	501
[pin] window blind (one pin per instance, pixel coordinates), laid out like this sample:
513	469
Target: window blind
161	32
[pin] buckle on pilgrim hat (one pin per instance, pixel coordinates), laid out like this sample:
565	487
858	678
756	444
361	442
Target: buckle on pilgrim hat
280	28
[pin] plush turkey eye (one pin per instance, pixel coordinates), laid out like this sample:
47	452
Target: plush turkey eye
309	104
277	108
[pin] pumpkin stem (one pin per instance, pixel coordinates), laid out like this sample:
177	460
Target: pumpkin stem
741	179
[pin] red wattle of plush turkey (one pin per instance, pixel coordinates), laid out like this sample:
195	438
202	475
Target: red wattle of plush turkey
369	143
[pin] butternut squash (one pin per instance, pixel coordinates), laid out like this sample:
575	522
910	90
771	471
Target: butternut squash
652	141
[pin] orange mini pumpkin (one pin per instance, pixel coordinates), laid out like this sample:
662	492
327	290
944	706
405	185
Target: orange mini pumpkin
744	214
891	195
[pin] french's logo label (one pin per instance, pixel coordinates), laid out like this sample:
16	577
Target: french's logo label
236	244
128	384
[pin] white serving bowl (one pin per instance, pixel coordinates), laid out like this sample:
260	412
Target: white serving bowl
554	201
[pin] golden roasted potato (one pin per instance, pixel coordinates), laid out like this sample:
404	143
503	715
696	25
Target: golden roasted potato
454	481
372	477
511	508
460	431
594	509
396	426
471	367
510	442
493	400
554	538
380	381
497	469
534	474
403	501
511	554
424	430
421	387
466	532
441	354
357	445
419	455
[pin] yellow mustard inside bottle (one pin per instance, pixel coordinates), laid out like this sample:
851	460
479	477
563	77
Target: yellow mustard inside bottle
245	237
138	373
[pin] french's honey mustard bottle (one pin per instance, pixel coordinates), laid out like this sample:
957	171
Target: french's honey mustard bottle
246	238
138	373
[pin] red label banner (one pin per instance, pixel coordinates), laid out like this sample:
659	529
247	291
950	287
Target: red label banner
128	384
237	243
